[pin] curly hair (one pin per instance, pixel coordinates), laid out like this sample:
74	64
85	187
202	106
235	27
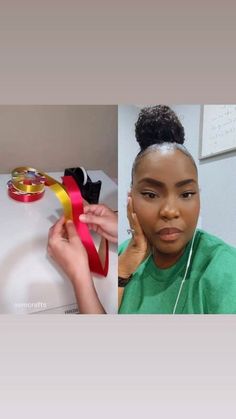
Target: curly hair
158	124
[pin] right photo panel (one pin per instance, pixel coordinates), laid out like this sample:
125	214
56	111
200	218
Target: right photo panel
177	209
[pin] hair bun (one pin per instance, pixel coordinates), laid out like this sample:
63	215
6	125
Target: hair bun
158	124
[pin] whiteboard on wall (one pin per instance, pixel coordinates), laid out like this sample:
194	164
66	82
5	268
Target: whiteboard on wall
218	130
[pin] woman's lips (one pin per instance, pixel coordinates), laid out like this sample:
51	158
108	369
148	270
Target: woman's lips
169	234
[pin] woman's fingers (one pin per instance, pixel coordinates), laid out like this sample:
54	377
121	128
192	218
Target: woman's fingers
71	231
95	209
57	229
130	212
133	219
137	227
90	219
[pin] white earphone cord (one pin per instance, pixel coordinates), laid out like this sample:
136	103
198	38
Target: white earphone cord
186	271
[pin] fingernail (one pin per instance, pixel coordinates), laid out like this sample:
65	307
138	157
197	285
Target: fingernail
82	217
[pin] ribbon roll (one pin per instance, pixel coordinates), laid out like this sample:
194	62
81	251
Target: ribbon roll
27	181
28	185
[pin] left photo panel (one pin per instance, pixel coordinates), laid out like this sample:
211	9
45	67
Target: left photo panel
59	220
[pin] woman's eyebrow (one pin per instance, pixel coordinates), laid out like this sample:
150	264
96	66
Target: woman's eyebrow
155	182
185	182
151	181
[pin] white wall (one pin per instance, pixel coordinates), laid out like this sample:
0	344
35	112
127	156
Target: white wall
216	175
51	138
127	150
217	180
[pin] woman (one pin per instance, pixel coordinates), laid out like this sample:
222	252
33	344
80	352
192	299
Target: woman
169	266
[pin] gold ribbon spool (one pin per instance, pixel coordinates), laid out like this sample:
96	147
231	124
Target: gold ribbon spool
19	175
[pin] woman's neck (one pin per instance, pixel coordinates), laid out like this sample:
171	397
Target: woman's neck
165	260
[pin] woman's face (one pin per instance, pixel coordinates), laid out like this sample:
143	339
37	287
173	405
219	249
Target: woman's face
166	200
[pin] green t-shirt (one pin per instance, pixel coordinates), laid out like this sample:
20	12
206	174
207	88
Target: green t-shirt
210	285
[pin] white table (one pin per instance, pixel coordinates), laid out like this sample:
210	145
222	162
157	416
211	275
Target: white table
30	282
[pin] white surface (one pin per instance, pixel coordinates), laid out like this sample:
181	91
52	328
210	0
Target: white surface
30	281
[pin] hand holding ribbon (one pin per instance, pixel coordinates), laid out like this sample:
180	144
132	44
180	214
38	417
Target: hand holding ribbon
28	184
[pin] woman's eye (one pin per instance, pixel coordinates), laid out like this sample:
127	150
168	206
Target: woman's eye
188	195
150	195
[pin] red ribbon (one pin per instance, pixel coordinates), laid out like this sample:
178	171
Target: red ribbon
23	197
82	228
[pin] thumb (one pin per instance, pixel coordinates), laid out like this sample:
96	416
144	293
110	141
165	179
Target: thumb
71	230
90	219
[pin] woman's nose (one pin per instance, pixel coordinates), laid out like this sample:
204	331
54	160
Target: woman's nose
169	210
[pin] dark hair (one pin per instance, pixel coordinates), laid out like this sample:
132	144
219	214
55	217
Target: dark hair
158	124
159	128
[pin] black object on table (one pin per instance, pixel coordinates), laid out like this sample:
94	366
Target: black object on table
90	191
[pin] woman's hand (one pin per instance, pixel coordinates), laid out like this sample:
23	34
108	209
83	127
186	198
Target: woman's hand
138	248
102	220
66	248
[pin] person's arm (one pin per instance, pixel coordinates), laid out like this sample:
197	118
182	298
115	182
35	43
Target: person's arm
87	298
66	248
